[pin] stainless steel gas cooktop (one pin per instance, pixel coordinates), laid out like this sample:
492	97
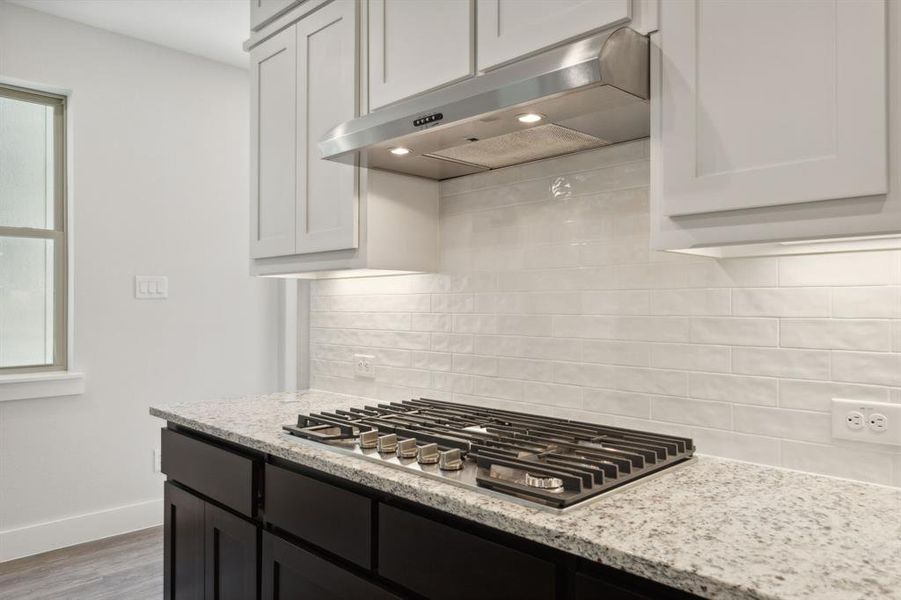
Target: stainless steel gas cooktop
540	460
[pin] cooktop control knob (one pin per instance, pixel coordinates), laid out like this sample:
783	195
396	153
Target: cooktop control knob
450	460
387	444
369	439
428	454
406	448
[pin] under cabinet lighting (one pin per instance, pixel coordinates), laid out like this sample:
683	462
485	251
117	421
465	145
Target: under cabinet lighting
529	118
399	151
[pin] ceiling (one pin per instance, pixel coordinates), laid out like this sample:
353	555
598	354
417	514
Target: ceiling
213	29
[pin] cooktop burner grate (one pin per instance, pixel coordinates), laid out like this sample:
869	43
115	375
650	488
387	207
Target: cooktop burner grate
550	461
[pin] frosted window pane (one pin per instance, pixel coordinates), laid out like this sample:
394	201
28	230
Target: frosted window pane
26	302
26	164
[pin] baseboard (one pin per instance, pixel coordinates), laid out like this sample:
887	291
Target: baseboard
52	535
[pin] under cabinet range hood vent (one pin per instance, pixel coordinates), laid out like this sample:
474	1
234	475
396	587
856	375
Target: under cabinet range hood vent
585	95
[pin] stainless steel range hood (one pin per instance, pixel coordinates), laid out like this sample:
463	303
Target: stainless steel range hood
587	94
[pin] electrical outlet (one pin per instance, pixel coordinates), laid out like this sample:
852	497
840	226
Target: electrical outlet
874	422
363	366
157	460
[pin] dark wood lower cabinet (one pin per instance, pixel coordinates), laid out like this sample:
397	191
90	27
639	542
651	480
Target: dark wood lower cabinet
209	553
307	535
231	556
183	549
292	573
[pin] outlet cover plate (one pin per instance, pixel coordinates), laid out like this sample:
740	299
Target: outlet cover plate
892	412
363	366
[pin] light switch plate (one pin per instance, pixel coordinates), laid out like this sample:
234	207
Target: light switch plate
151	287
865	421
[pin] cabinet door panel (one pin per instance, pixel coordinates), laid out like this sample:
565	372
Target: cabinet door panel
183	547
273	146
417	46
509	29
800	118
291	573
231	556
326	216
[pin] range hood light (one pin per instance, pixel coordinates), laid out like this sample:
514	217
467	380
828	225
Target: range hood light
399	151
529	117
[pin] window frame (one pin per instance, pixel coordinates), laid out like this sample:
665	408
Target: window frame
58	234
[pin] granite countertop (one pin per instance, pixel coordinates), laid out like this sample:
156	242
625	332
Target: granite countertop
717	528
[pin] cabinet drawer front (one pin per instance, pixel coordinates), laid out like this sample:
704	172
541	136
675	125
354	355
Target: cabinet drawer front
419	553
290	573
219	474
334	519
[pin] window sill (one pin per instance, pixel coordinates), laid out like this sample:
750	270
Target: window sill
23	386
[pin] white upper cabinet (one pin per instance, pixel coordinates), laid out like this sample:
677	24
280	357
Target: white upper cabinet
765	104
417	46
273	159
509	29
304	82
326	96
311	217
262	11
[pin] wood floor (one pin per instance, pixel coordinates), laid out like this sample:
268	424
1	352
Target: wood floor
125	567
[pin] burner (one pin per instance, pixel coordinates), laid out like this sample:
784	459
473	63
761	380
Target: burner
539	460
543	483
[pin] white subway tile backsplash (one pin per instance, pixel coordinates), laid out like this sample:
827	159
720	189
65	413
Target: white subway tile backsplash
778	362
818	395
781	302
619	302
551	301
867	367
741	389
692	357
838	461
474	364
851	268
783	423
845	334
617	403
692	412
652	381
431	322
617	353
524	368
431	361
866	302
739	446
715	301
737	331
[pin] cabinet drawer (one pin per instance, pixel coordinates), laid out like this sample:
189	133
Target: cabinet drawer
219	474
332	518
291	573
418	553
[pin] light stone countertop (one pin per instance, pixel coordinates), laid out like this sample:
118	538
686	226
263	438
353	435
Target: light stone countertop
717	528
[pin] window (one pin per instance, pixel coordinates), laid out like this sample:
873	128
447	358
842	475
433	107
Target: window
33	263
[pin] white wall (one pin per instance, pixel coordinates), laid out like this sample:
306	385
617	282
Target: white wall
549	300
160	188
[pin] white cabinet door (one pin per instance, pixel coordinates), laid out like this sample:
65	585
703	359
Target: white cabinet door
273	150
766	103
326	216
262	11
509	29
415	46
